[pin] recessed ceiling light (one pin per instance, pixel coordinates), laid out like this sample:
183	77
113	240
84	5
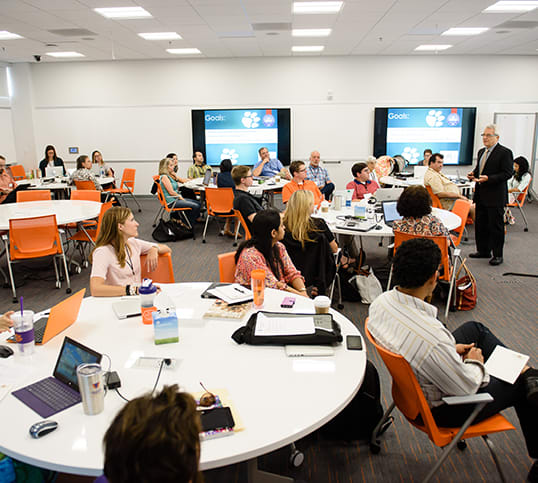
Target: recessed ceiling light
311	32
65	54
465	31
183	51
160	36
123	12
434	47
5	35
316	7
512	6
307	48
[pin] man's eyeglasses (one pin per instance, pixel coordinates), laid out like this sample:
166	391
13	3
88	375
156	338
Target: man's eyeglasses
484	135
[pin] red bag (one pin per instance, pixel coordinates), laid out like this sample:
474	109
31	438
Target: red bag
465	289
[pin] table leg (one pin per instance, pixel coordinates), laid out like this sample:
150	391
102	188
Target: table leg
256	475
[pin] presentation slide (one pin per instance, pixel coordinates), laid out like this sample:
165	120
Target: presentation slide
411	131
238	134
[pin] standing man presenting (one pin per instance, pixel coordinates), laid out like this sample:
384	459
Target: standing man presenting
320	176
269	167
492	171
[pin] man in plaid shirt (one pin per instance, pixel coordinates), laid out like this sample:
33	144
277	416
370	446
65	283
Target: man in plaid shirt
319	175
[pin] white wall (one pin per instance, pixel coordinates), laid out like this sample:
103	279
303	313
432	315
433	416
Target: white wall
137	111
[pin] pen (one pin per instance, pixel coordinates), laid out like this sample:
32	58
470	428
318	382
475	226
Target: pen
239	290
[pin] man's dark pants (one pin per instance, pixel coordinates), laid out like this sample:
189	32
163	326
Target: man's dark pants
489	229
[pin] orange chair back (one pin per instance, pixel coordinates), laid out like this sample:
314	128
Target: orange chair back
461	208
521	197
164	273
34	237
104	208
239	216
441	241
33	195
86	195
219	200
17	171
227	267
85	185
128	178
436	202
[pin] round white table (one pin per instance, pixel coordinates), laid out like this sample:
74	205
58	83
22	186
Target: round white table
268	184
66	211
449	219
277	399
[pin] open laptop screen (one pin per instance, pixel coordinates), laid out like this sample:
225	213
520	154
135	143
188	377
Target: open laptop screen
72	355
390	212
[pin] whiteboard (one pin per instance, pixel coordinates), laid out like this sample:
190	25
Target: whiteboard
517	131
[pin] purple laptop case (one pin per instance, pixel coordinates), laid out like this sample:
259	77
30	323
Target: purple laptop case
40	407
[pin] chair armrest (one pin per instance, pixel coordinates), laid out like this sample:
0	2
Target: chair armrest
481	397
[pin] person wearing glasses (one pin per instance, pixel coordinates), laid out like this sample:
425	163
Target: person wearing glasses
244	202
299	182
492	171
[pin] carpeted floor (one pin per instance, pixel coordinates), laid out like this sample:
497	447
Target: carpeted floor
506	304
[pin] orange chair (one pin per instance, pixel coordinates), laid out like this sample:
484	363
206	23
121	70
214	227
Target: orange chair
436	202
35	237
164	273
448	264
220	204
407	395
85	236
85	185
165	207
244	225
33	195
17	171
460	208
86	195
519	202
126	186
227	267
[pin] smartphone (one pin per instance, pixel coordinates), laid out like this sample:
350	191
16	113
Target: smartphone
217	419
354	343
288	303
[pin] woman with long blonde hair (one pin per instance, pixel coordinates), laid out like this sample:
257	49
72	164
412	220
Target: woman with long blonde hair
309	241
116	269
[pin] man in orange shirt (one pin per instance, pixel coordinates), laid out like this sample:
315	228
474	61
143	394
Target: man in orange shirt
7	183
299	182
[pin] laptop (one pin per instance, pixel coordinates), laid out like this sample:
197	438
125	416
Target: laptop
207	179
420	171
387	194
390	213
61	316
129	307
54	171
54	394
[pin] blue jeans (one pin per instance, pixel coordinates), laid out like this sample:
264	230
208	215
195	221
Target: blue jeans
192	214
327	190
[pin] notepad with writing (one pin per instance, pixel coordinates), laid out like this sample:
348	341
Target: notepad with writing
284	325
232	294
506	364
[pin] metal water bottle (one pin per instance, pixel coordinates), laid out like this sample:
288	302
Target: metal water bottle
91	387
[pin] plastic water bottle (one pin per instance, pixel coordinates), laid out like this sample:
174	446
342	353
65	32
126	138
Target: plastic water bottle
24	331
147	293
102	172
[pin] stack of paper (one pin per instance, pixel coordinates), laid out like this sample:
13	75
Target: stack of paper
284	325
232	294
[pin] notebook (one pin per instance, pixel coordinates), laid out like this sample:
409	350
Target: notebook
54	394
129	307
390	213
61	316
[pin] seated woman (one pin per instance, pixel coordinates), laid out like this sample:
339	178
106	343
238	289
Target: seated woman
104	169
84	173
415	205
115	259
520	180
159	435
170	186
309	242
224	180
264	251
50	160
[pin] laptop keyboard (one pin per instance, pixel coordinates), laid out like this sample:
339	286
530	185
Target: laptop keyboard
54	393
39	330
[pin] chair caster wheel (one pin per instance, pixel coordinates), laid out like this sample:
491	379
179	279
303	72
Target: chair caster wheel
234	244
154	225
461	445
203	241
340	306
139	210
14	300
296	459
375	448
525	229
68	290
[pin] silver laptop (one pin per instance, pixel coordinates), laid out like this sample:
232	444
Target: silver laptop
387	194
129	307
54	171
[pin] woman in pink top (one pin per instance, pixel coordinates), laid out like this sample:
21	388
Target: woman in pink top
264	251
116	267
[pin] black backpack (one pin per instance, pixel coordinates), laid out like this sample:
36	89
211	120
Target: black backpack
359	418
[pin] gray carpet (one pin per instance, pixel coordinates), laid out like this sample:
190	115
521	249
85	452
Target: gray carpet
506	304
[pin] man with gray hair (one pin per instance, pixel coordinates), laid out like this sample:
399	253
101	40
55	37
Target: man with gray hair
493	169
319	175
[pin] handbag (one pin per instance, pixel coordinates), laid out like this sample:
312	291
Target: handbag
180	229
465	289
163	232
367	284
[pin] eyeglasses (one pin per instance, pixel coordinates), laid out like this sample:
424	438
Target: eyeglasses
302	170
484	135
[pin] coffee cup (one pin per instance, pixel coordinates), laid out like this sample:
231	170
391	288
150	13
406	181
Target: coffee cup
277	178
324	206
322	304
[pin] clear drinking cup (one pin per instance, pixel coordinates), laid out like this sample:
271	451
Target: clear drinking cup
24	331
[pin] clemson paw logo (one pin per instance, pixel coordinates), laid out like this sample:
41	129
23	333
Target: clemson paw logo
229	154
251	120
410	154
435	118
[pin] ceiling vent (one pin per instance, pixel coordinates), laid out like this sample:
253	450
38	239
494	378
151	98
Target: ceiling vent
73	32
272	26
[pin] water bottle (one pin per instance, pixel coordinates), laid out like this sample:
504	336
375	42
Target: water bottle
24	331
147	293
102	172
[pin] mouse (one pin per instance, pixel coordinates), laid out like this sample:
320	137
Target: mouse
378	227
5	351
41	428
